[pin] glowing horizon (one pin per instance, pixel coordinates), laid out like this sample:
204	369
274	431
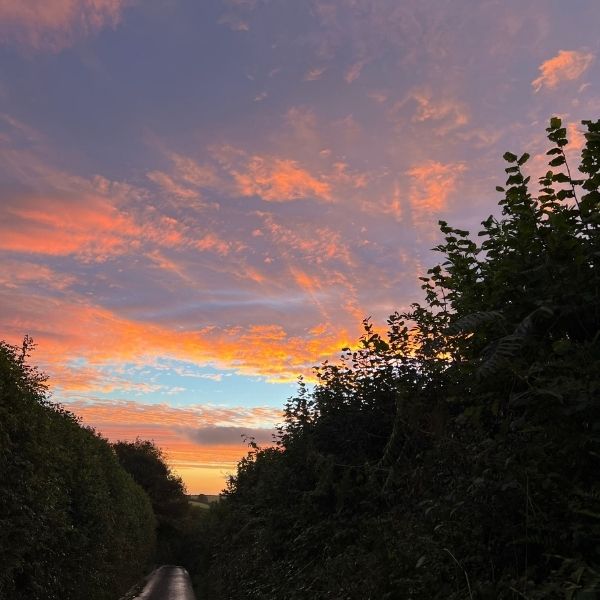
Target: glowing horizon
201	201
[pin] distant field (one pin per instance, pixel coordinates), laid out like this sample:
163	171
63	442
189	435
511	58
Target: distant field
203	500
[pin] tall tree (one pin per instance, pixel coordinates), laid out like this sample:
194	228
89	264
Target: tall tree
146	463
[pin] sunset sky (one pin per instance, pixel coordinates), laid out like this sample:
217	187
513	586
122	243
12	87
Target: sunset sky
200	200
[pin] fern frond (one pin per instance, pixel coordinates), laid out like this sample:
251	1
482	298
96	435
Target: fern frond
498	353
528	324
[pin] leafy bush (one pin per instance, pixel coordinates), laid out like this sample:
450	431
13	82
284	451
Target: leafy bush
73	523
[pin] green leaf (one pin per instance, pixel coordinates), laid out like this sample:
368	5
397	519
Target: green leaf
524	158
509	157
561	346
555	123
515	179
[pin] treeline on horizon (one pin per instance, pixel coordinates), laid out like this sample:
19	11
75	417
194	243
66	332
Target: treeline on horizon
456	456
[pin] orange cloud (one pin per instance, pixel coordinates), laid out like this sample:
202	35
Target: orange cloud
89	225
187	179
213	243
169	185
55	24
342	176
567	65
575	136
303	123
193	173
313	245
422	105
389	204
236	172
440	109
74	329
279	180
61	214
433	183
16	274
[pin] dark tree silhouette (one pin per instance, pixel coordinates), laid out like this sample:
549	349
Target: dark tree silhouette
145	462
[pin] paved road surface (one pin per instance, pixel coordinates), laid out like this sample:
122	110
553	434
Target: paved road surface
168	583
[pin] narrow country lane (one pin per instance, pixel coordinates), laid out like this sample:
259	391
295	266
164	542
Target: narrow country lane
168	583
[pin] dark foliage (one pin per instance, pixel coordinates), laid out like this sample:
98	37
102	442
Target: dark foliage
458	455
73	524
145	462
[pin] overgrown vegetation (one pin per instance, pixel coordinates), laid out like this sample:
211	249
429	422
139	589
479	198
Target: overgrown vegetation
145	462
458	455
73	524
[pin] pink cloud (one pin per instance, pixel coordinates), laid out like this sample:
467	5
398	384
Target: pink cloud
314	73
575	137
440	109
200	175
567	65
169	185
213	243
279	180
314	245
433	183
55	24
16	274
444	113
89	225
354	71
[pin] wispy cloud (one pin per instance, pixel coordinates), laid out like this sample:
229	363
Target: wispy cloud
453	113
433	184
279	180
234	22
88	225
56	24
567	65
17	274
314	73
170	186
354	71
66	330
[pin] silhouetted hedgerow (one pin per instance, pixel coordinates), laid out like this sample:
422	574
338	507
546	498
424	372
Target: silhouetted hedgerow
73	523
